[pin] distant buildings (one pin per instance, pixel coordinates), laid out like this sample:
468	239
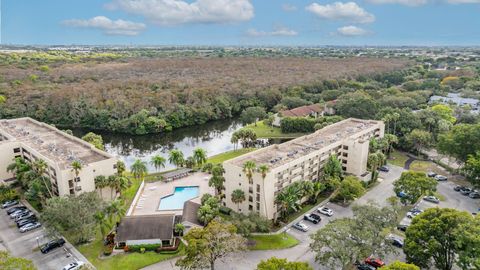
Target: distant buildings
33	140
457	100
314	110
300	159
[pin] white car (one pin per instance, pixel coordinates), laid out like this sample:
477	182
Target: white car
325	211
30	226
73	266
414	212
300	226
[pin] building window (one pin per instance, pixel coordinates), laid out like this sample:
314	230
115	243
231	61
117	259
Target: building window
16	150
240	175
77	179
250	190
239	184
258	188
345	154
344	161
345	147
114	166
258	197
250	198
344	168
258	206
250	207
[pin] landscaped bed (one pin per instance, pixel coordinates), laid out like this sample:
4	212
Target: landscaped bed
264	131
217	159
273	241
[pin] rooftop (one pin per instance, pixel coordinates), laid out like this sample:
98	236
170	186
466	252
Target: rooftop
280	154
455	98
302	111
189	214
145	227
50	142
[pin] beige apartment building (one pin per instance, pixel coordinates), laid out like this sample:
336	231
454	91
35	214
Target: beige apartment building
299	159
33	140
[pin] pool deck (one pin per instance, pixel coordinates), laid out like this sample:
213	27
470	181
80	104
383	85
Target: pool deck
149	199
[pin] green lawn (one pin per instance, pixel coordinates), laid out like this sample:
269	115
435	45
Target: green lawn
425	166
127	261
274	241
266	132
228	155
397	158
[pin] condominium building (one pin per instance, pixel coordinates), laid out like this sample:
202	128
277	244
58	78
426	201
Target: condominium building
33	140
299	159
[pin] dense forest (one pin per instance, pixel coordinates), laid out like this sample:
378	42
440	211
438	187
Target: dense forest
139	95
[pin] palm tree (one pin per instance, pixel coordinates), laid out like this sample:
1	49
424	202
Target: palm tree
176	157
139	169
104	223
158	162
179	228
318	187
190	162
263	170
395	117
115	210
40	166
120	167
100	182
307	189
238	196
375	160
288	199
234	140
121	183
76	168
111	183
249	168
200	156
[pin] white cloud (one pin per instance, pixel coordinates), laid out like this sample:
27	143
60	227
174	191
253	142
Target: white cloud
289	7
412	3
279	31
172	12
352	31
349	11
463	1
109	27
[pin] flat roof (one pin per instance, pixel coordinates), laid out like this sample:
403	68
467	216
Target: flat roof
280	154
51	142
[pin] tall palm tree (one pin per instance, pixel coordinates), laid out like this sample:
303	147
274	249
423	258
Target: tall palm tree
121	183
76	168
190	162
104	223
238	196
100	182
158	162
200	156
111	182
40	166
263	170
121	168
307	189
115	210
234	140
287	199
176	157
249	168
139	169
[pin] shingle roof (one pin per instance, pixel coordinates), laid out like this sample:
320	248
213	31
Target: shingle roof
302	111
189	214
145	227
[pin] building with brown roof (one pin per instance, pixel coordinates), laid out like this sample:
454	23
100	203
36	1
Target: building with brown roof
141	230
313	110
189	216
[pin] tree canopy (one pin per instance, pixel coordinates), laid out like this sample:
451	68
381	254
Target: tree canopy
414	185
95	140
282	264
8	262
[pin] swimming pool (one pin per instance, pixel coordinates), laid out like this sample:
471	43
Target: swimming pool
178	198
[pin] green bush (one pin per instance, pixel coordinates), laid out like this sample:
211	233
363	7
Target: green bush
225	210
144	247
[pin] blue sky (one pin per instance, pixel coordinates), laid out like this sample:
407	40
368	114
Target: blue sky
241	22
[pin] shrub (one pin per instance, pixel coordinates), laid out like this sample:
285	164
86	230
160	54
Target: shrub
225	210
107	250
144	247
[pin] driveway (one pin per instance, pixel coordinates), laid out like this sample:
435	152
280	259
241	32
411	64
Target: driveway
26	245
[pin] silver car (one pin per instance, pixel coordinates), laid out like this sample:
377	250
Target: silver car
432	199
300	226
30	226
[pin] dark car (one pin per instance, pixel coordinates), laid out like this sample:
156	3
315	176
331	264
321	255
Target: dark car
312	218
22	222
458	188
466	191
431	174
395	240
364	266
52	245
474	195
375	262
13	209
9	203
402	227
384	169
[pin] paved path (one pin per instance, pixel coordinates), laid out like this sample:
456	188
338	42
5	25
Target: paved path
301	252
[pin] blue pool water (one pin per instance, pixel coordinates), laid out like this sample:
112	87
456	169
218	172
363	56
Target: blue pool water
178	198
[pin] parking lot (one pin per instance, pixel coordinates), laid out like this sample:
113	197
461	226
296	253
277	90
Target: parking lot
26	245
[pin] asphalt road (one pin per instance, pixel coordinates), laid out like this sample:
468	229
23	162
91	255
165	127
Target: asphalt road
26	245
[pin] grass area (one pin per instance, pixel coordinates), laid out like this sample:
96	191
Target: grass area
274	241
125	261
397	158
264	131
426	166
228	155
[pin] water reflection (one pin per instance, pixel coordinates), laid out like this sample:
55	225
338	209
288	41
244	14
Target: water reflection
213	137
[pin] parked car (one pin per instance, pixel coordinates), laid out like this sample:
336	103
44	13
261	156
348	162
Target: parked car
474	195
375	262
364	266
466	191
384	169
402	227
300	226
395	240
414	212
24	216
431	174
16	208
22	222
325	211
30	226
9	203
402	194
73	266
432	199
18	212
52	245
458	188
312	218
439	177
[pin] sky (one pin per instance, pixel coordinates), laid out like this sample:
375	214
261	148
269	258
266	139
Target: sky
241	22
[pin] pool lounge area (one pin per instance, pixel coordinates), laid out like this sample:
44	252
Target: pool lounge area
176	200
160	198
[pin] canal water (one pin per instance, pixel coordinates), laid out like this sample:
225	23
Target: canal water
214	137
